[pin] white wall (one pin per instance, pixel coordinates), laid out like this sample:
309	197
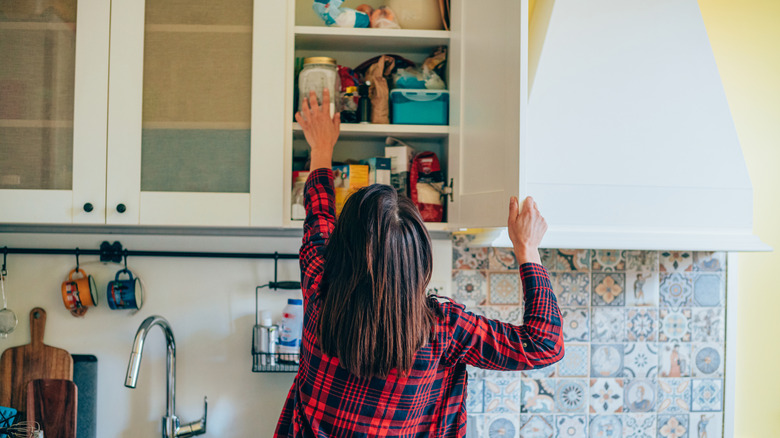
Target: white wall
210	305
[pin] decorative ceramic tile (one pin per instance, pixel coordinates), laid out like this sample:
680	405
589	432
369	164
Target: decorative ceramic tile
707	395
674	395
466	257
571	426
676	290
571	396
675	325
475	426
708	325
607	324
640	360
537	426
602	426
606	360
709	261
639	395
575	324
706	425
548	258
642	288
674	360
608	289
469	287
709	289
474	373
502	426
512	314
475	396
607	260
574	362
538	396
502	395
504	288
707	359
606	396
572	260
675	261
571	288
502	259
641	325
673	426
641	260
541	373
639	426
496	374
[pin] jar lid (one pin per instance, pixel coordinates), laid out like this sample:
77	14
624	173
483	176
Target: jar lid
319	60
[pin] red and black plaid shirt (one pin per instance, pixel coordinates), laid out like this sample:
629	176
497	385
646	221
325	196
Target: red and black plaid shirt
327	401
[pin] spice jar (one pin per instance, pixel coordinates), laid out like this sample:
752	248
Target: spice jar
319	73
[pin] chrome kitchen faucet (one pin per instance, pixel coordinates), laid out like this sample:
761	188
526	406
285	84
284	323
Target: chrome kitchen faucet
170	422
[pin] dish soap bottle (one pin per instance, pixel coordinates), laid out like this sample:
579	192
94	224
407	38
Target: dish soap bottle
291	331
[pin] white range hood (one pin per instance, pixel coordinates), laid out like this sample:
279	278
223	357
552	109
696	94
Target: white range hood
630	141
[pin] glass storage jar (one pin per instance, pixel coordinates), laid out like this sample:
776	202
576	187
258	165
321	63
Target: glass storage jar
320	73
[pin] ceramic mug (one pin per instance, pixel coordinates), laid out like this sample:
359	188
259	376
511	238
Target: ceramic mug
125	293
79	292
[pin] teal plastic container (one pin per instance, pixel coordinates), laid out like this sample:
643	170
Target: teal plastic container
419	107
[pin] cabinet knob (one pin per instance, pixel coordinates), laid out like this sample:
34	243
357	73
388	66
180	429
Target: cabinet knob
88	207
121	208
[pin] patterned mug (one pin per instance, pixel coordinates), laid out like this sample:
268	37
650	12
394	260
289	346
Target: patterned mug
125	293
79	293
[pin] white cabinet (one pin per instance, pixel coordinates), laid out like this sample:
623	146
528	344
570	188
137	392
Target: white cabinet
183	129
480	149
53	86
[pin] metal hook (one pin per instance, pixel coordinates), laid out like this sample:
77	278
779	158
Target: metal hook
77	259
124	253
3	271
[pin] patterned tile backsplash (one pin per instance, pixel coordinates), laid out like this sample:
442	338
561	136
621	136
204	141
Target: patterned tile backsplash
644	334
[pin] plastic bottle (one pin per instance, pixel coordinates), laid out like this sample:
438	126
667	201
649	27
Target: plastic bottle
291	331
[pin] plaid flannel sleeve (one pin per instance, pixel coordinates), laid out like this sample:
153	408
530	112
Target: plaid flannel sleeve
490	344
319	200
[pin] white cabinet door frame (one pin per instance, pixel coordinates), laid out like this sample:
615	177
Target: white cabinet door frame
89	134
489	101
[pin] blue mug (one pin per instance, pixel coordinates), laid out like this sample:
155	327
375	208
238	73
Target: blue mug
125	293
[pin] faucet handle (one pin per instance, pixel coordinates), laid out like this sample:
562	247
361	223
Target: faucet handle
197	427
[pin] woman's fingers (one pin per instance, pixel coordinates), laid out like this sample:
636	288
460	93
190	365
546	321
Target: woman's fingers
325	101
514	210
313	101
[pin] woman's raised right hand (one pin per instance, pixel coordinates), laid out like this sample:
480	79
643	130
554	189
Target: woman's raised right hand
526	228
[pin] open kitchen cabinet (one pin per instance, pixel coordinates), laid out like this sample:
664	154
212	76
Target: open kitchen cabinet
479	150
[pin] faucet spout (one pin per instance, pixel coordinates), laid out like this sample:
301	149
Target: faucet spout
171	425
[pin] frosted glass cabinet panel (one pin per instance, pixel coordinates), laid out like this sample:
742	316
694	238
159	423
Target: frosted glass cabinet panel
197	81
53	87
37	67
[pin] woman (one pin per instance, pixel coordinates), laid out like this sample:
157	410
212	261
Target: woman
379	357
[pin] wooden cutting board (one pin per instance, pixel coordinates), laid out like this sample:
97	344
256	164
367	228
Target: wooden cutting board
20	365
52	403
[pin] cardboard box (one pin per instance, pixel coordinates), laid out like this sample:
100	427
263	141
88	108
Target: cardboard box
400	164
347	179
379	170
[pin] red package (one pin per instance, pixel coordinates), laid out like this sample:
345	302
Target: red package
426	182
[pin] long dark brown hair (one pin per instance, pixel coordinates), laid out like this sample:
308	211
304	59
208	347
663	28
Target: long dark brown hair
375	314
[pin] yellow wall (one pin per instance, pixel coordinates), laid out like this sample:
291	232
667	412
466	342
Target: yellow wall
745	37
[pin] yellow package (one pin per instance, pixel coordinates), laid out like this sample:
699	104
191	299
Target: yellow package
347	179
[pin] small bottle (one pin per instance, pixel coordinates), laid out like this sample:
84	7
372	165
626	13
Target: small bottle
298	210
364	103
264	339
291	331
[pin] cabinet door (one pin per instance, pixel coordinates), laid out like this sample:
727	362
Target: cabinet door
490	44
180	147
53	94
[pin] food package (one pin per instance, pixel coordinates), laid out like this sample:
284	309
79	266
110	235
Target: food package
333	14
400	164
379	170
379	91
426	182
347	179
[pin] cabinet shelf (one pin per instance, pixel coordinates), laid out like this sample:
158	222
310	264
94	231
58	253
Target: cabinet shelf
369	40
357	130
